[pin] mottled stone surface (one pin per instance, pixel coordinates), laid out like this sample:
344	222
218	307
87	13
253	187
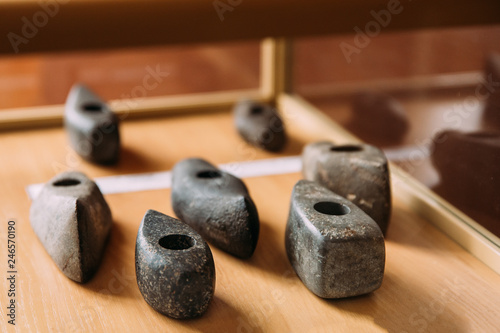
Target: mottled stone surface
468	167
490	88
174	267
217	205
377	116
72	221
260	125
335	248
93	129
359	173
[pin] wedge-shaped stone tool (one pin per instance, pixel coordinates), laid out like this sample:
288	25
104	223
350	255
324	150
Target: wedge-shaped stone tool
359	173
335	248
217	205
73	221
174	267
260	125
92	127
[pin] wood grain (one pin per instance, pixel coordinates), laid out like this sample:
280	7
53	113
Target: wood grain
431	283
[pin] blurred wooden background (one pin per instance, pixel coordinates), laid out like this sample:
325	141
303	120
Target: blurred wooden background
42	79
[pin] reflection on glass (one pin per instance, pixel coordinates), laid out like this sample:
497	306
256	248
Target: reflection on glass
430	99
46	79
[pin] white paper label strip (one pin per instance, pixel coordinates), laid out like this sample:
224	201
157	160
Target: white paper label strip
162	180
246	169
407	153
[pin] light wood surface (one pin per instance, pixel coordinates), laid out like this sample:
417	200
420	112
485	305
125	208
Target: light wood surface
430	284
80	24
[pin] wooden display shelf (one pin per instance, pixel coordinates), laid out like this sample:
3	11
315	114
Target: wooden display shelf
431	283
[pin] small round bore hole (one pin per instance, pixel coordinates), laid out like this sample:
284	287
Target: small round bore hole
331	208
92	107
346	148
67	182
209	174
256	109
176	242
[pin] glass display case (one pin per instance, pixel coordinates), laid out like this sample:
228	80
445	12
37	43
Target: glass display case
420	80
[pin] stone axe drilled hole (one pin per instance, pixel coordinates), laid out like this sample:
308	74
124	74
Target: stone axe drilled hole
346	148
209	174
176	242
67	182
331	208
256	109
92	107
